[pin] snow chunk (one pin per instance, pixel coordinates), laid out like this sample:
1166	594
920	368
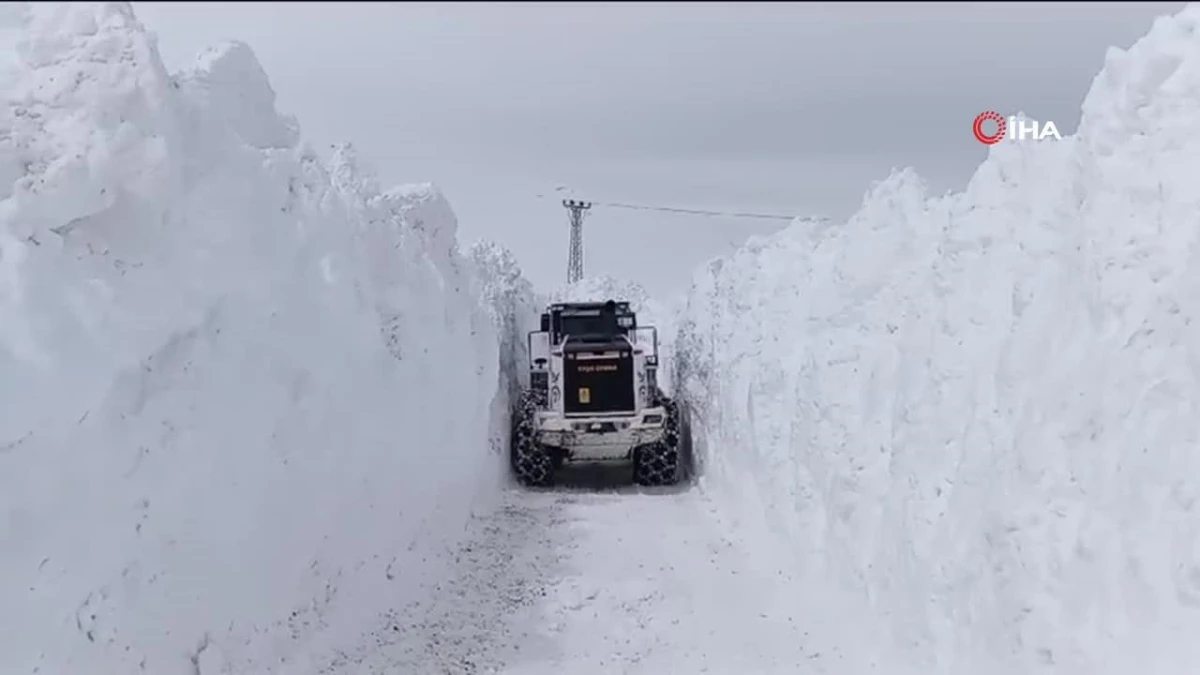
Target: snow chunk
427	213
230	82
1148	89
348	173
86	114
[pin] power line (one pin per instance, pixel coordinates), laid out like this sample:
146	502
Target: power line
698	212
705	212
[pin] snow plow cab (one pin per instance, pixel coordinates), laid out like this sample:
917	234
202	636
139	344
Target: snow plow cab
593	396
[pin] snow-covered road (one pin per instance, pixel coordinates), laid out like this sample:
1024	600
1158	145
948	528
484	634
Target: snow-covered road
589	577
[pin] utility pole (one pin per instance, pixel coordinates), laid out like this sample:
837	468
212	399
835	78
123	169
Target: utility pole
575	258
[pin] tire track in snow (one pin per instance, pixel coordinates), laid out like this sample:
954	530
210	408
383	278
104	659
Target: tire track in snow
586	579
469	622
654	584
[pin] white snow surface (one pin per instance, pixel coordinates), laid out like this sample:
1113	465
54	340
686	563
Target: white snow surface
975	418
246	399
514	307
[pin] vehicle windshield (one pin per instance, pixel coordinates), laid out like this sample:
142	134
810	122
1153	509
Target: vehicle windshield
590	323
579	323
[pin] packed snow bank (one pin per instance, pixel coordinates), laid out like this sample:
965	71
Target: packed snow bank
514	307
244	396
976	416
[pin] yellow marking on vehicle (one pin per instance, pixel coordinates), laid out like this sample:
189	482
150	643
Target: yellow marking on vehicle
585	395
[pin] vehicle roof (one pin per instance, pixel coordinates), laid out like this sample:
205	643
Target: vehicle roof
621	304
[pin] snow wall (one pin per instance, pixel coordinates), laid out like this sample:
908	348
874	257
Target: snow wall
976	417
248	400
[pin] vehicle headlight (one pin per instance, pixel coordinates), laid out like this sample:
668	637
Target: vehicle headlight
642	391
554	394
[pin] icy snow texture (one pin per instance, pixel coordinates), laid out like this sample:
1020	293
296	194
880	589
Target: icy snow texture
976	416
244	397
514	307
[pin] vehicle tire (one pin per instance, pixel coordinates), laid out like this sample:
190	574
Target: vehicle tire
657	464
531	463
687	455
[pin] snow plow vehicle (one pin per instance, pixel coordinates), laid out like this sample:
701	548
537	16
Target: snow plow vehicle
593	396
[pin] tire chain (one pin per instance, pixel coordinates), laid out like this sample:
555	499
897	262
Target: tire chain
531	463
655	465
658	464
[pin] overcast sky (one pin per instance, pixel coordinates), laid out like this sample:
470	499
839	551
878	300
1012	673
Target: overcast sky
772	107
